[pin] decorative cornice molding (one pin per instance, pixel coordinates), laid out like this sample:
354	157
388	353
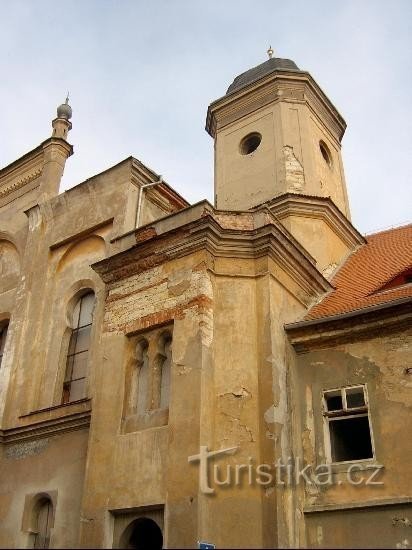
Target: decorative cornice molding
278	86
356	505
205	233
16	185
46	428
164	194
362	323
294	204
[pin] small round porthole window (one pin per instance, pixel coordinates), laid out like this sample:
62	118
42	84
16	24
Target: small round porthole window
327	157
250	143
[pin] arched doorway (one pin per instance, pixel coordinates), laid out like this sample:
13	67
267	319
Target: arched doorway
142	534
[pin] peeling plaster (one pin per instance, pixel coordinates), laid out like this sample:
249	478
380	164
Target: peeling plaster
23	450
241	393
178	282
238	431
295	179
183	370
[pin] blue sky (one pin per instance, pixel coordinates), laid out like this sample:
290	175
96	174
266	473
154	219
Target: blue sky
142	73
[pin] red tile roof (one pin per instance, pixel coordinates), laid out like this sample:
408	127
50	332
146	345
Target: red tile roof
359	281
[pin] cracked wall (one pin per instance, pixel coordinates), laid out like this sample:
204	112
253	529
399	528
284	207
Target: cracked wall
379	362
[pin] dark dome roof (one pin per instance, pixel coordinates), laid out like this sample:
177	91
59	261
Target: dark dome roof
269	66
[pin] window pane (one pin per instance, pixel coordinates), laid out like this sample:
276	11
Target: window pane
72	344
86	309
3	336
79	369
76	314
66	392
355	398
143	385
350	439
69	368
77	389
83	339
333	400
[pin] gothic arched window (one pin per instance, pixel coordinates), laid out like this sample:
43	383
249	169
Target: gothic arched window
74	387
3	337
142	376
165	369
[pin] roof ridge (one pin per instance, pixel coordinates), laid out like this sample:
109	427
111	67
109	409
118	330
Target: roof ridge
389	229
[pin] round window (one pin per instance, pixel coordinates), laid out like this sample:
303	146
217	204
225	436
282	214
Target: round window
250	143
324	149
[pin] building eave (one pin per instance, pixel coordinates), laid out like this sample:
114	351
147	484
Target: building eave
370	321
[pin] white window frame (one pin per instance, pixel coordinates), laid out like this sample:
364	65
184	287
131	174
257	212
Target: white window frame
345	413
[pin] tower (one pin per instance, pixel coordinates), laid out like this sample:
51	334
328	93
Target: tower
278	141
56	151
275	132
61	124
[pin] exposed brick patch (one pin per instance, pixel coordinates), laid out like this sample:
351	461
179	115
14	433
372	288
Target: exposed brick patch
112	297
162	317
236	221
295	178
145	234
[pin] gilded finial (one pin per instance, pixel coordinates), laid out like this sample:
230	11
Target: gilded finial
270	52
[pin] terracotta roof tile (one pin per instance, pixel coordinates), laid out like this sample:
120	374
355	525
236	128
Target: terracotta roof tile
359	281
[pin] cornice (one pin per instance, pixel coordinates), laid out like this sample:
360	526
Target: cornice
29	167
354	325
164	193
206	234
59	143
22	164
21	172
278	86
293	204
356	505
46	428
16	185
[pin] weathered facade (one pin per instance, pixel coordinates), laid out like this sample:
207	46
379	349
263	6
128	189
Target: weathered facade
137	330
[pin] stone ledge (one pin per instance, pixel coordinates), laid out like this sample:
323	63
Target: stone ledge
51	426
316	508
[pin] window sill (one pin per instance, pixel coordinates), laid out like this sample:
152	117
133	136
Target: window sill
332	507
62	406
150	419
361	465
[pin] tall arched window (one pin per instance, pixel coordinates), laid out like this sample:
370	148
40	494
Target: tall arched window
43	523
142	366
74	387
3	336
165	368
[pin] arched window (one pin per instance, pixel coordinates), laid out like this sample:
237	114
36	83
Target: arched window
165	369
43	523
3	336
143	373
74	387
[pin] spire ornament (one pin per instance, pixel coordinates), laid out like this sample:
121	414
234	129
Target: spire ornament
64	110
270	52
